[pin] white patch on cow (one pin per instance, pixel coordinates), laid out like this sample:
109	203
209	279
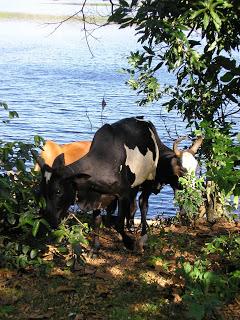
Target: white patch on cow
156	147
47	176
143	166
143	120
189	162
120	168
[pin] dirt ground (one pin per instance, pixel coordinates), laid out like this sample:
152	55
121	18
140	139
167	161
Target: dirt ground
114	283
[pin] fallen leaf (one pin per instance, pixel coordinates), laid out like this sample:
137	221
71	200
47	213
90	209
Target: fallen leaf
46	315
177	298
90	270
102	288
103	275
63	289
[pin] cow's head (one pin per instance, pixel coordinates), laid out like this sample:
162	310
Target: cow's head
57	189
184	161
60	186
187	156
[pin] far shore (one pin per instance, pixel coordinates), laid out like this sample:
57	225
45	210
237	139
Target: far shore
46	18
95	11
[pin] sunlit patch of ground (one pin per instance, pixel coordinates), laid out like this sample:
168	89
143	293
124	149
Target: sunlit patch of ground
114	283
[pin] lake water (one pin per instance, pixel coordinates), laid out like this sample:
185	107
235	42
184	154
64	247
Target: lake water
56	85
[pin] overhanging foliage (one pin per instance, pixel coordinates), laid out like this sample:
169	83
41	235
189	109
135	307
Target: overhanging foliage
198	42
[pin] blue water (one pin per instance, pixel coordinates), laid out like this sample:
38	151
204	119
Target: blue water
57	86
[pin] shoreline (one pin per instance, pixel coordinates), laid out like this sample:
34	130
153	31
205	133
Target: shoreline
38	10
47	18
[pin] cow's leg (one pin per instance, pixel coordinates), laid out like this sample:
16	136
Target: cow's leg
132	211
97	219
123	212
109	221
143	205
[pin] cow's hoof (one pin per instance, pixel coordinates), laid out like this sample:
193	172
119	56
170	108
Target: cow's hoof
140	244
129	242
93	253
96	246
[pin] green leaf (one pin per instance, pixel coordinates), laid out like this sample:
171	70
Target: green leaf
187	267
26	219
226	62
44	222
209	277
8	207
194	43
35	227
70	262
123	3
11	219
25	249
196	311
158	66
20	165
38	140
4	105
238	136
227	77
206	20
148	50
5	310
196	13
212	46
216	20
236	201
33	253
62	249
13	114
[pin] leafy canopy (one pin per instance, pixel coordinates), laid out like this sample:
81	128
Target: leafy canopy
198	42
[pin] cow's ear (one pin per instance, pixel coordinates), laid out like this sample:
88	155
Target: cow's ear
175	164
59	162
45	168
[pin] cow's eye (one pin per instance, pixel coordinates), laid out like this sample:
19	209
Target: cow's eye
58	192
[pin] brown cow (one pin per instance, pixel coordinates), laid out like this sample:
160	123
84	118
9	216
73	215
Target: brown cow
72	152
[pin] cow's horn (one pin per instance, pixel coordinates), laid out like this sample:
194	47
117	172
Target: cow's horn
196	145
38	159
176	143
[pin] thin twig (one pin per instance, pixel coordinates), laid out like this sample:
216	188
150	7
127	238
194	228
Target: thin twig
59	24
89	120
166	128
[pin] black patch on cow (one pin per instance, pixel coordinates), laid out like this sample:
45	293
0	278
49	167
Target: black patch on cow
135	133
130	175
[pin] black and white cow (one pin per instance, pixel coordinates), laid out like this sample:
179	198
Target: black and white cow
123	157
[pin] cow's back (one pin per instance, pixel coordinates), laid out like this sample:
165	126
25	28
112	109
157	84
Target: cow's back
124	153
72	152
49	152
75	150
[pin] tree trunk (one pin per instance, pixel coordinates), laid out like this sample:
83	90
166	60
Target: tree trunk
213	206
